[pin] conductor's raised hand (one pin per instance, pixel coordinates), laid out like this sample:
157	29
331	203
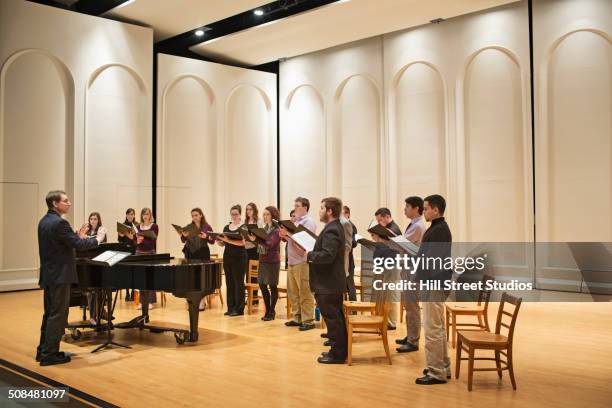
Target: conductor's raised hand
83	231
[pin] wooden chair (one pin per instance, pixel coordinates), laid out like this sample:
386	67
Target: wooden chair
359	287
479	310
470	341
251	286
376	324
282	294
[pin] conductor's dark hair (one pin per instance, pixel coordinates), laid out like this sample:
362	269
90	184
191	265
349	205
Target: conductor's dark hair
304	201
415	202
383	212
273	212
54	196
334	204
199	211
436	201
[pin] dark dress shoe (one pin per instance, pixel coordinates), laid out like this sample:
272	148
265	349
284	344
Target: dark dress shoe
59	353
407	348
269	316
402	341
58	358
325	354
324	335
236	314
292	323
426	371
427	380
227	313
390	327
307	326
328	359
328	343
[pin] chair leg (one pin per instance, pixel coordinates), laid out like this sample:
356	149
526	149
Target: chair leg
288	308
220	296
386	344
480	322
458	358
402	307
249	300
350	344
446	323
454	319
498	363
511	368
470	367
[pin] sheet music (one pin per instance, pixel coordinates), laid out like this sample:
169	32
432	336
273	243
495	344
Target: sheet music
403	243
111	257
304	240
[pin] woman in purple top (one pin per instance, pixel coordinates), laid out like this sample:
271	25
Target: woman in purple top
147	246
269	262
196	247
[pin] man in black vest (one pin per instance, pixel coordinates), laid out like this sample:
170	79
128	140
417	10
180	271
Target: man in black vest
56	245
328	279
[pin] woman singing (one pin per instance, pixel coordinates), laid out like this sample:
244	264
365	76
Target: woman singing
234	259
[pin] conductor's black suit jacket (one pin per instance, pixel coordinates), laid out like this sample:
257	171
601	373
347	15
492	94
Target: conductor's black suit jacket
56	245
326	261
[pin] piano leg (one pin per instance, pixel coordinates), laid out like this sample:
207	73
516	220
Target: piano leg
193	302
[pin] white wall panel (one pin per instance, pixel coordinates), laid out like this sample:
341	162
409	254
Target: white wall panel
117	150
573	155
358	118
420	121
188	146
303	153
34	85
75	100
494	148
216	142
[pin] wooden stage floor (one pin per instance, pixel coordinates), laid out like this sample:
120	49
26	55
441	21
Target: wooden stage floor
563	358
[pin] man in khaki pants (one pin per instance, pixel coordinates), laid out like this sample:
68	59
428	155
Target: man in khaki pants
298	286
436	243
413	233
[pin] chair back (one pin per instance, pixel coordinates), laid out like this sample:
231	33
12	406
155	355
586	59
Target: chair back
485	294
503	315
253	270
382	303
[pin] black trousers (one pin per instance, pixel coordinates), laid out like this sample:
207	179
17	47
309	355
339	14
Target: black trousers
330	306
234	268
350	285
55	318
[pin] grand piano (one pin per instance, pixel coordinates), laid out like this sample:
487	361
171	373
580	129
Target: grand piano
191	280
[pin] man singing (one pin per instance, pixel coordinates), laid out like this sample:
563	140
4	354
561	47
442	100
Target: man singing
328	279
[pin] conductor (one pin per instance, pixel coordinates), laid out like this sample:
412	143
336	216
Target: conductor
56	245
